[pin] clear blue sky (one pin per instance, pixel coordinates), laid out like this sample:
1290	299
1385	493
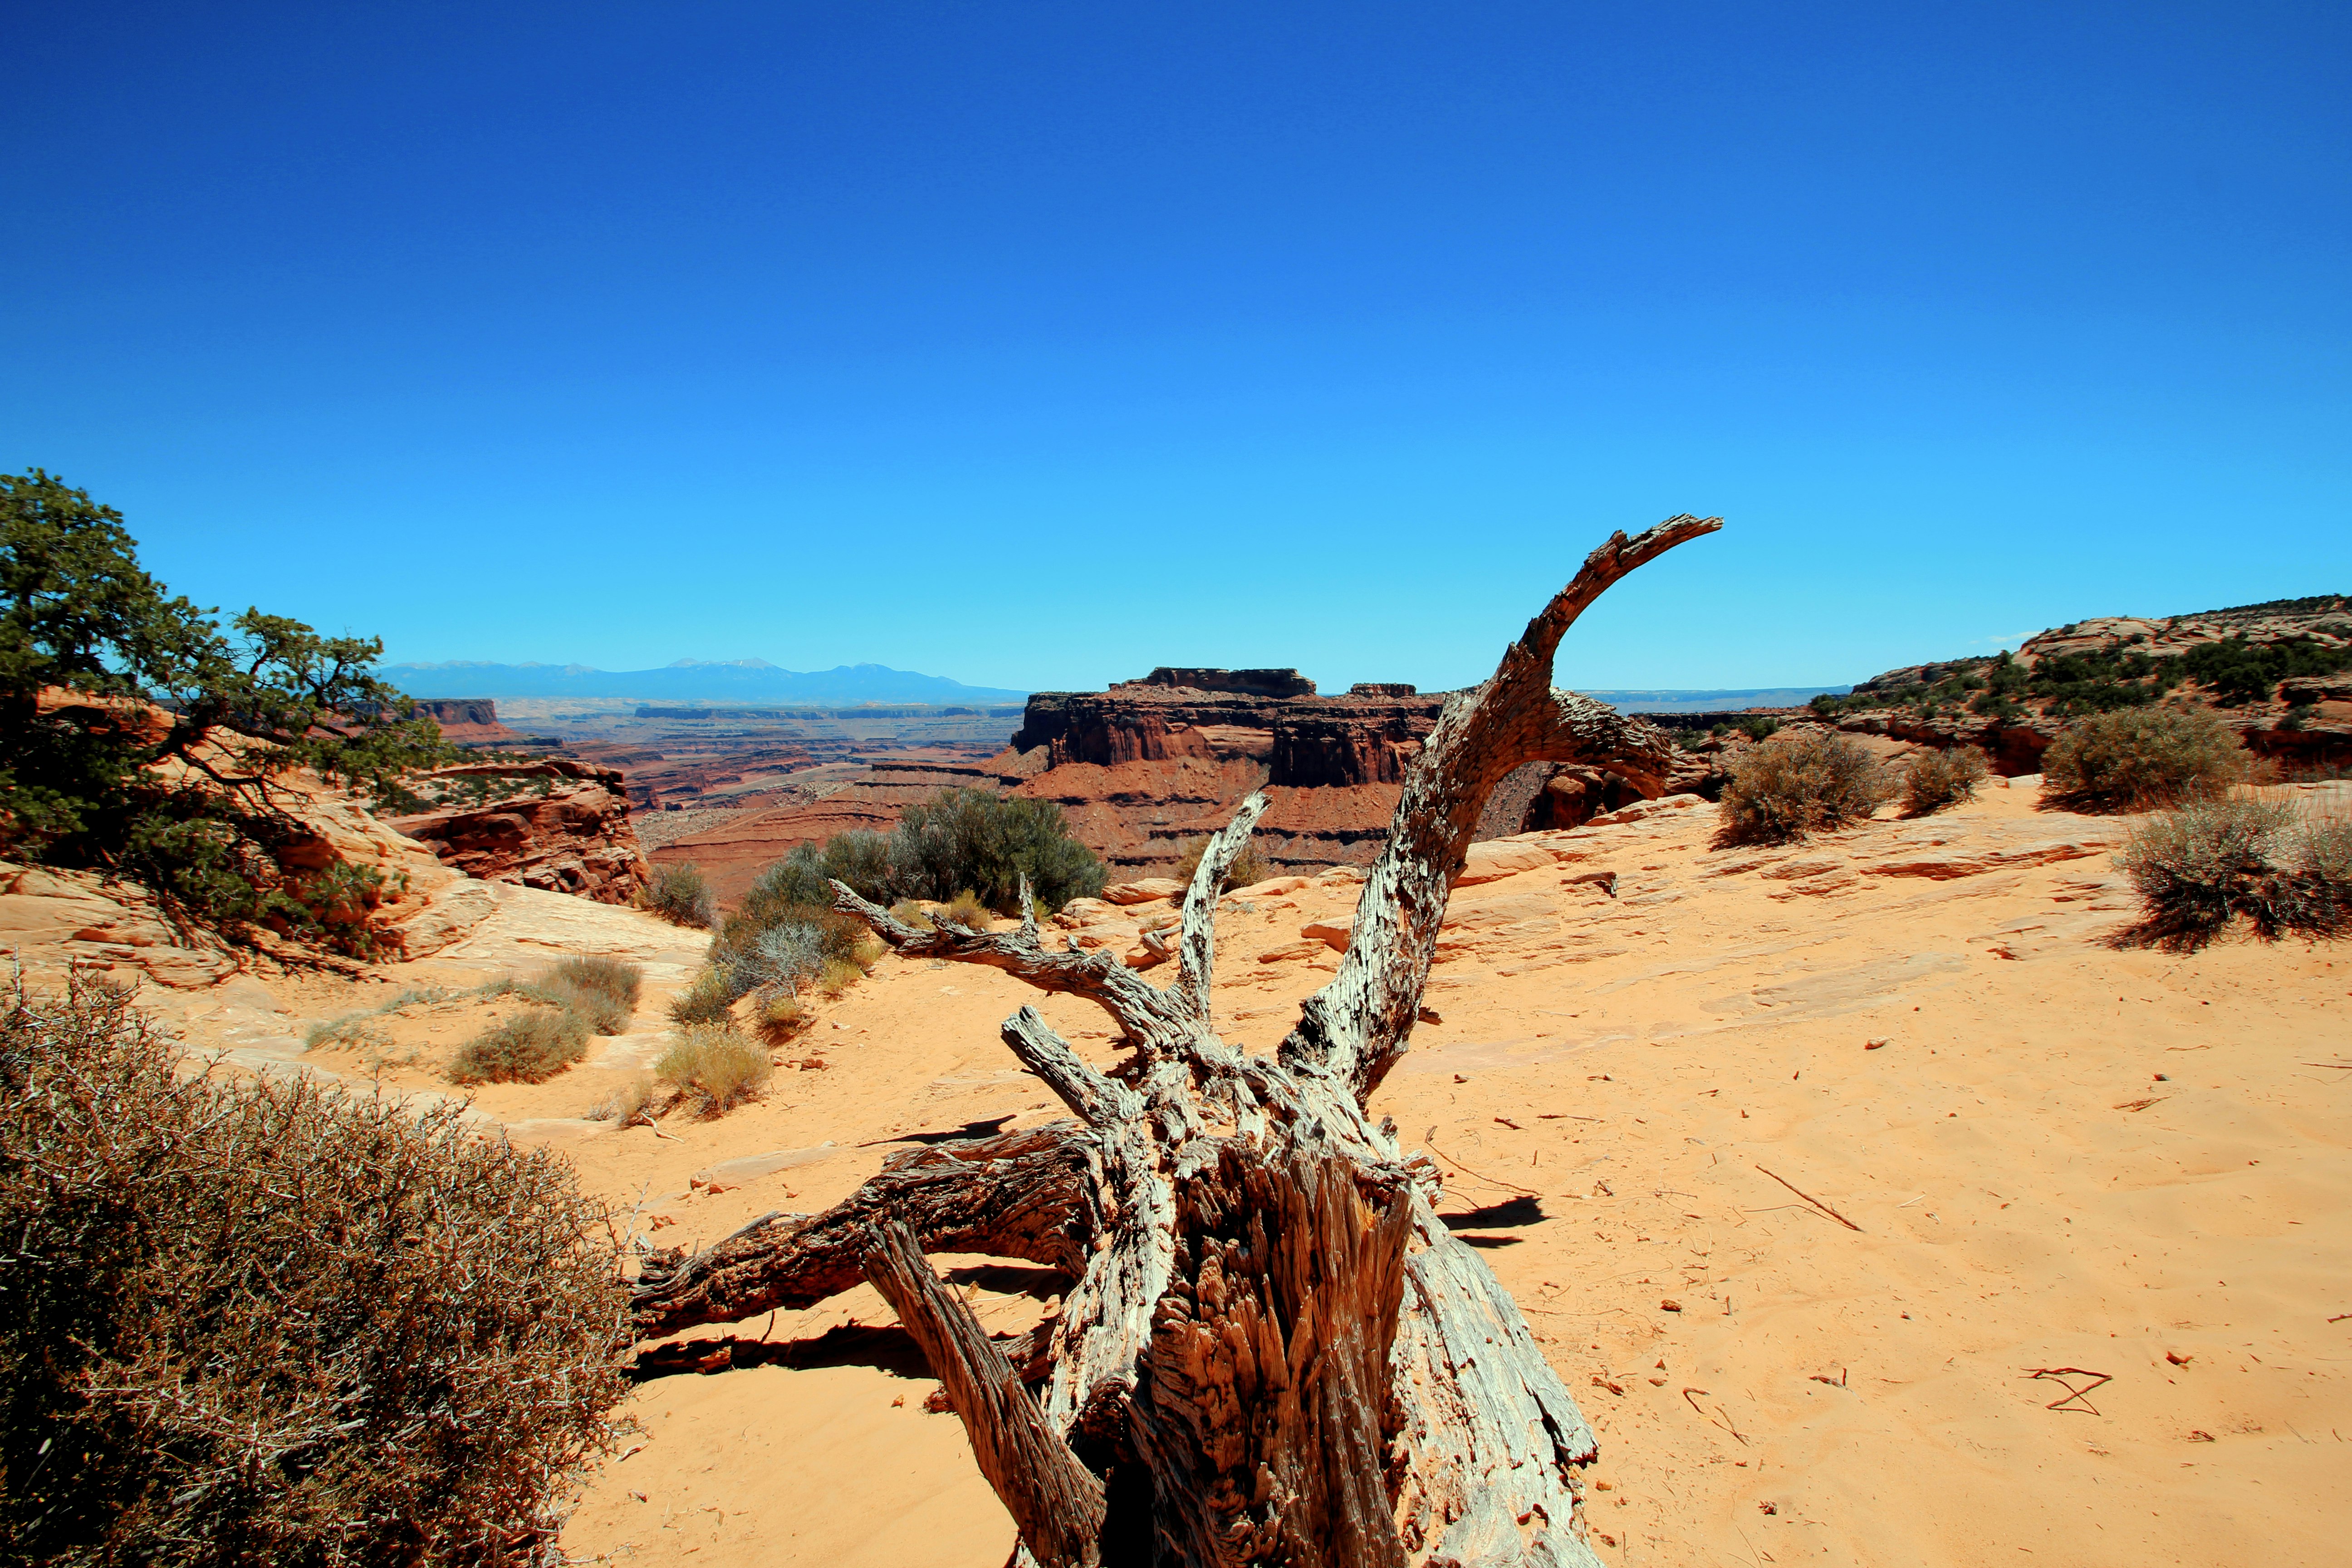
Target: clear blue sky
1037	344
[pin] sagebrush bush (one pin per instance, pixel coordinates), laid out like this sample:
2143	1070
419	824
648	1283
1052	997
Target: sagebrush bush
714	1067
1801	782
1249	867
2136	758
269	1322
706	1001
2203	865
534	1045
681	896
1937	779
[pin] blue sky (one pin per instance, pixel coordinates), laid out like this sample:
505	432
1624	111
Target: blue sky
1036	345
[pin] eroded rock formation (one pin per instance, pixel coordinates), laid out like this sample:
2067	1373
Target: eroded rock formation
555	823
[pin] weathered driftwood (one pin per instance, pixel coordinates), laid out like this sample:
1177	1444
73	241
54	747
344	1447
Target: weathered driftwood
1271	1350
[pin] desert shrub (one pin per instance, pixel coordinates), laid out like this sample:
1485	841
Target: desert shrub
971	839
354	1030
534	1045
779	1017
966	910
611	976
1798	782
635	1103
839	975
2133	760
910	912
2239	672
680	896
707	1000
1942	778
2203	865
1248	869
715	1067
267	1321
1759	727
789	954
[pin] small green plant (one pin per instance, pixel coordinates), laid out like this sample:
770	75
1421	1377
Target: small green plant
1249	867
2138	758
679	894
714	1067
2203	865
1942	778
839	976
1797	783
1759	727
530	1048
2299	715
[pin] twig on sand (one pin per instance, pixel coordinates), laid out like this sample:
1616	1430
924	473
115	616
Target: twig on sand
1814	1201
1710	1420
1468	1172
2059	1375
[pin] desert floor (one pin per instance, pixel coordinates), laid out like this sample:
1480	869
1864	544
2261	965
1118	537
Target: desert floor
2126	1172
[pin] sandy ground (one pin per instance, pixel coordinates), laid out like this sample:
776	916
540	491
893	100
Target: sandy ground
2053	1156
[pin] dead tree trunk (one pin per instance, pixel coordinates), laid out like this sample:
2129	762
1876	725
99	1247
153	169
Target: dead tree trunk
1272	1351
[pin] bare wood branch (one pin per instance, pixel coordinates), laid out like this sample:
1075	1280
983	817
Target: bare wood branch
1357	1025
1055	1502
1097	1101
1139	1007
1028	1194
1196	967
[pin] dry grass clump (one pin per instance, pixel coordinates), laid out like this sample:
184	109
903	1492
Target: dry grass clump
267	1321
1801	782
634	1104
910	912
680	896
779	1017
1249	867
709	1000
1937	779
2136	758
604	991
534	1046
2204	865
715	1067
966	910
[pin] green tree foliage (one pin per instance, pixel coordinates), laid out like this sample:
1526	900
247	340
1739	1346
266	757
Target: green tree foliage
2237	671
139	734
272	1323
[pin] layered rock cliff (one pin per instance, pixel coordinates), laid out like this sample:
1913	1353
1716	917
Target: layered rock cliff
555	823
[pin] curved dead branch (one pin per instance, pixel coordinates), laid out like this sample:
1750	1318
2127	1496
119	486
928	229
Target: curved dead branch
1028	1194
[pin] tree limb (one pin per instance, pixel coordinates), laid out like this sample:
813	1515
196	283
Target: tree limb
1357	1025
1198	961
1028	1194
1055	1502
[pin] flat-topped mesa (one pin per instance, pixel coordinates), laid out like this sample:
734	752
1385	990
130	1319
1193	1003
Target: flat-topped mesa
1270	717
1250	682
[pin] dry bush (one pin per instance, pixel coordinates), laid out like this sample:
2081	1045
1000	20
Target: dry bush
708	1001
631	1105
268	1323
715	1067
1937	779
780	1016
913	914
839	975
966	910
2136	758
602	990
1249	867
1801	782
2207	863
680	896
534	1045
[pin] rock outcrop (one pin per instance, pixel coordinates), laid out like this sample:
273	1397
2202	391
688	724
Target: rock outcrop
555	824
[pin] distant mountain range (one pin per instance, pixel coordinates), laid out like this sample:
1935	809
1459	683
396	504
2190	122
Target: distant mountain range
691	681
1679	702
